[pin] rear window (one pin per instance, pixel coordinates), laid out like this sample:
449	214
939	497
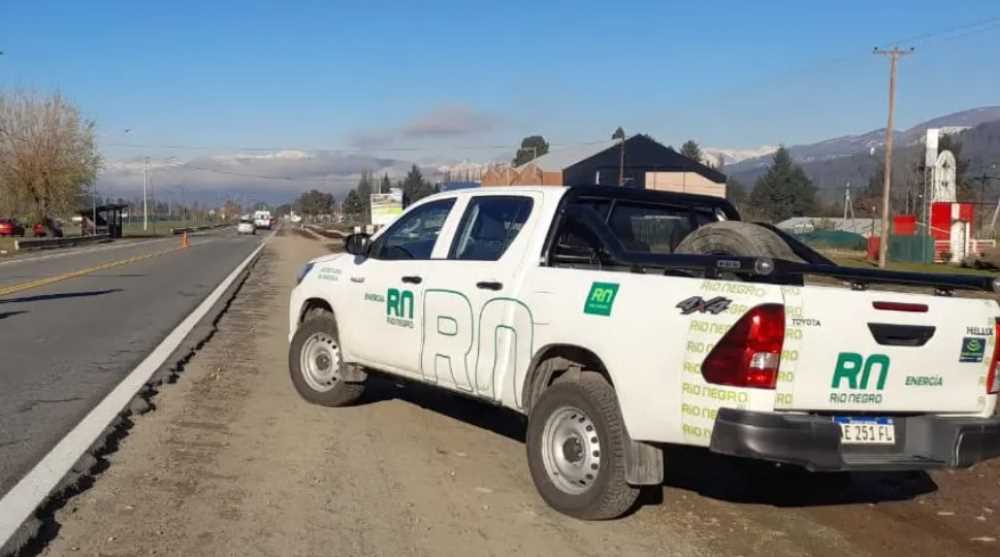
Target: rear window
650	229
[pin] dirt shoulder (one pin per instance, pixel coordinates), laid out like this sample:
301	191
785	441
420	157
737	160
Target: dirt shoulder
233	462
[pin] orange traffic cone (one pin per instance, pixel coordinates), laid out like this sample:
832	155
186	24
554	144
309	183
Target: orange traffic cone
185	243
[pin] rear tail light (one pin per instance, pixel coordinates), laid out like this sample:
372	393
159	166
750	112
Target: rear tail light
993	378
749	354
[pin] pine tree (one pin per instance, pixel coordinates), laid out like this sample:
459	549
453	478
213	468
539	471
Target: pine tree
785	191
386	184
353	207
415	187
364	190
691	150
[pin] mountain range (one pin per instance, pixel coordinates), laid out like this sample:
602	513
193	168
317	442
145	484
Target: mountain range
854	158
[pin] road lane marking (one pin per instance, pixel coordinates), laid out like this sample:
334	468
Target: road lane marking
83	251
21	501
45	281
37	283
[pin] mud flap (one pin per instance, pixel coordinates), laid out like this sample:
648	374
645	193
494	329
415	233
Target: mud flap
643	464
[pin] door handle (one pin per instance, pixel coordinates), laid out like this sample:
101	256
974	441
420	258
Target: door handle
357	279
489	285
412	279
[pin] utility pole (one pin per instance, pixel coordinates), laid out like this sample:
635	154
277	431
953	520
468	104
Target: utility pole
145	205
621	165
894	55
848	205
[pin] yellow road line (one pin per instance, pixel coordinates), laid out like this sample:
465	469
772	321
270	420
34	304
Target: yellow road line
4	291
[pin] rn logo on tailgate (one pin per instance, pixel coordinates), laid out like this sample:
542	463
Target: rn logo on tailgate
855	372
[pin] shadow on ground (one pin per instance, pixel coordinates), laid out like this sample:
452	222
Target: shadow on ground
6	314
60	296
687	468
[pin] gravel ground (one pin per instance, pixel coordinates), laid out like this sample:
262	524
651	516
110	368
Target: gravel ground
232	462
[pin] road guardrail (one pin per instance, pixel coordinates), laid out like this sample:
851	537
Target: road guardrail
29	244
182	230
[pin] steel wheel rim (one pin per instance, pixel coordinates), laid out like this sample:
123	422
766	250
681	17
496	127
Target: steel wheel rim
319	361
571	450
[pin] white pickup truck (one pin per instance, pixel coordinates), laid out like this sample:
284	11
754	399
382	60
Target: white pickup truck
622	320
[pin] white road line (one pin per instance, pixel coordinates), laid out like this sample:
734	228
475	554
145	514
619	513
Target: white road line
22	500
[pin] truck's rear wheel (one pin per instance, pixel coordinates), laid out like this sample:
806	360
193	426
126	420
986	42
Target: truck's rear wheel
315	364
576	446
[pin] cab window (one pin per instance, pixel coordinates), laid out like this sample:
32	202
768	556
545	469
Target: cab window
413	236
489	226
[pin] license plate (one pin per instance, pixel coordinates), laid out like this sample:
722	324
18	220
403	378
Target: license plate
866	431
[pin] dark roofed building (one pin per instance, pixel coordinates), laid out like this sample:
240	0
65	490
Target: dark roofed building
647	164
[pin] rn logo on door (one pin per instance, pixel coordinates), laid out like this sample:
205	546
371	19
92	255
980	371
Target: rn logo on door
601	298
399	308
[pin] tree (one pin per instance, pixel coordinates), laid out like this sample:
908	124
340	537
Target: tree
231	208
619	133
736	192
415	187
315	202
532	147
386	184
48	154
691	150
353	207
784	191
364	190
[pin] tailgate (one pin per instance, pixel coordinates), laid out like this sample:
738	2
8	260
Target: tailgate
879	351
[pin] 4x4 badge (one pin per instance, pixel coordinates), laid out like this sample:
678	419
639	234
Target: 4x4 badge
714	306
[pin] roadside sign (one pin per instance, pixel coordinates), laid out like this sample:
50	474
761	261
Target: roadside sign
385	207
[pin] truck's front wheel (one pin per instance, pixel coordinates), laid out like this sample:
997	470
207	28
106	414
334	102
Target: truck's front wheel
576	444
315	364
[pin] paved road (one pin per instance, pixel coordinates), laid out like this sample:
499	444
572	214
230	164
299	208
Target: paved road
65	345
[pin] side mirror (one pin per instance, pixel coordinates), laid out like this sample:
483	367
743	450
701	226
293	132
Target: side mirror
358	244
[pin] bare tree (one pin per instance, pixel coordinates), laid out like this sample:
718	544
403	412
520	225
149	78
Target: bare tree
48	154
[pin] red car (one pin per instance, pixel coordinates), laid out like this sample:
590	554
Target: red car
10	227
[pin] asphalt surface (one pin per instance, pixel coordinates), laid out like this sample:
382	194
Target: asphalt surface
64	346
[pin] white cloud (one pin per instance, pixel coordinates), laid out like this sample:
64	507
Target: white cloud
268	176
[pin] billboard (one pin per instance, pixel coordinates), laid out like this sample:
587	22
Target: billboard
385	207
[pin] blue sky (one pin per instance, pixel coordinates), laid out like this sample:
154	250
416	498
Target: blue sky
450	78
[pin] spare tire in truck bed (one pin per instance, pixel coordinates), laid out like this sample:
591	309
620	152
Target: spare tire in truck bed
738	239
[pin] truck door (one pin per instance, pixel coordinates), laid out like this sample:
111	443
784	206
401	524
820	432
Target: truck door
477	333
391	281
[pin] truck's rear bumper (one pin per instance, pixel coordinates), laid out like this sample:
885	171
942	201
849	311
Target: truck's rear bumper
814	441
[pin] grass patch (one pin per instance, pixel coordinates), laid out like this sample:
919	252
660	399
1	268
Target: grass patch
857	259
7	246
159	228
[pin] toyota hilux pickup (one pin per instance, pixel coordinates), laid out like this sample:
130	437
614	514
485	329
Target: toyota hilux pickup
621	321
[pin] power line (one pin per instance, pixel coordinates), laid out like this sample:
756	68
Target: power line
963	30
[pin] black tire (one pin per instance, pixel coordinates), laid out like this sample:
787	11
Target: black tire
338	393
738	239
608	495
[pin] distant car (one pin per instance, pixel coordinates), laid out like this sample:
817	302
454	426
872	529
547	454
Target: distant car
10	227
262	219
246	226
